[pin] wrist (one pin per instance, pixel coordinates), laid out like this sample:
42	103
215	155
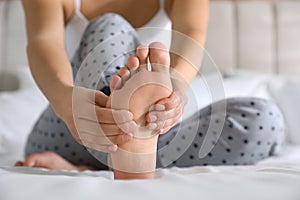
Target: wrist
62	101
179	84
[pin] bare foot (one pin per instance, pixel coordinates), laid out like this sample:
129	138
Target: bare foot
50	160
136	89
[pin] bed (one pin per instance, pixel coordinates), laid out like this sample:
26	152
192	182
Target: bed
274	178
273	76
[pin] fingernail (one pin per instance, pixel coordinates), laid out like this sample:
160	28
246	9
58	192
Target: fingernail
152	126
128	137
132	128
152	108
130	115
153	118
160	107
113	148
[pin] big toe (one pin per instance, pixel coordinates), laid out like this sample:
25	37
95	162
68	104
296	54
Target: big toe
159	57
49	160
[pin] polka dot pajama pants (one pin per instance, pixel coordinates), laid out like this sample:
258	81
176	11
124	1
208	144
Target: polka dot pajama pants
252	128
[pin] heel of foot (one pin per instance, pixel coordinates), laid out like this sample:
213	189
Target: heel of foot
138	157
119	175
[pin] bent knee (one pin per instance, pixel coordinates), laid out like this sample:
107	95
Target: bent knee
255	121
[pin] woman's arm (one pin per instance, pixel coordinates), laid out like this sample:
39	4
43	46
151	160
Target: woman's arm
189	18
48	60
52	72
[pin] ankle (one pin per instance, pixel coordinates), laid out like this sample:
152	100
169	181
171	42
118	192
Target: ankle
126	175
136	160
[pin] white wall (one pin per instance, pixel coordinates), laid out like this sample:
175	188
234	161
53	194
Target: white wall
1	33
16	40
288	37
257	35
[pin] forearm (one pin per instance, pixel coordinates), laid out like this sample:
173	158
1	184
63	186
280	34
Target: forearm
186	56
51	70
190	19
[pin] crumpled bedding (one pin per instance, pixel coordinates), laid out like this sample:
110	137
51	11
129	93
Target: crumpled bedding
276	178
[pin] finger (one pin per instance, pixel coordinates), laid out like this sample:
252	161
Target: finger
163	124
105	115
175	99
93	128
102	148
95	96
167	103
112	148
100	98
128	127
86	138
164	130
110	116
122	139
169	122
156	116
172	102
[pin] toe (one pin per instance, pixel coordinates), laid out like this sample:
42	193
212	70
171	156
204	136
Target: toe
133	64
142	52
48	160
124	73
159	57
115	82
19	164
31	160
119	79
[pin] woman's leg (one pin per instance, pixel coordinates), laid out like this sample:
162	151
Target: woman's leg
253	130
112	37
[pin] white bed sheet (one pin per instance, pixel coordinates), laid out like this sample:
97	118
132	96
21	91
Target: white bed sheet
277	178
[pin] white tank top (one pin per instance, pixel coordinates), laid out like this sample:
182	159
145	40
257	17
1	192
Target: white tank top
160	26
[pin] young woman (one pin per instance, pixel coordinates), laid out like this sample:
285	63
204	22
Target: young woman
88	41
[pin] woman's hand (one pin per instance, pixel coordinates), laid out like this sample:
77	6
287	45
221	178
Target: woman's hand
166	113
92	124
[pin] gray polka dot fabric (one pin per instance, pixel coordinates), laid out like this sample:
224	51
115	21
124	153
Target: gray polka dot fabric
253	128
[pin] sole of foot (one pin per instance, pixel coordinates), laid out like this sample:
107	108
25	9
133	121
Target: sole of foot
136	89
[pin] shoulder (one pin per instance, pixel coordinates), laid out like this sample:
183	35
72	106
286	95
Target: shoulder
168	6
66	6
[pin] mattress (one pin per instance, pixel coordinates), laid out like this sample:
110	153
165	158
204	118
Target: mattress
276	178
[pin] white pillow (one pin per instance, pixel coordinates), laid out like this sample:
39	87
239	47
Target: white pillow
286	92
211	88
18	112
